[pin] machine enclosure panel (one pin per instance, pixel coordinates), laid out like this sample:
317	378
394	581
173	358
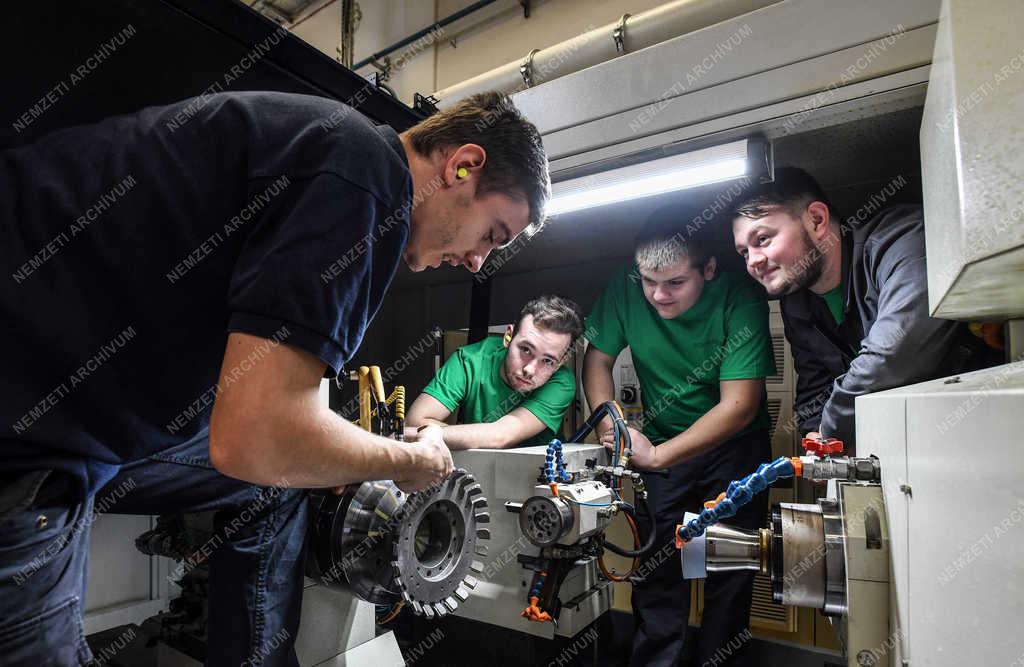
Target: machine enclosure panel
512	475
951	471
971	162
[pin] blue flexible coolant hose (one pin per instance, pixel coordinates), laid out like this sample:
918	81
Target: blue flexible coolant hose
737	495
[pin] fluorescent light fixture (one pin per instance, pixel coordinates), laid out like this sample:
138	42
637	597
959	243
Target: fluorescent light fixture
667	174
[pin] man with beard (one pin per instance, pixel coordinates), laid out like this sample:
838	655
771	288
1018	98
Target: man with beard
508	390
854	299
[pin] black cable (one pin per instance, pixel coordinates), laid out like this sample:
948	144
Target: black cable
651	537
591	422
616	438
607	408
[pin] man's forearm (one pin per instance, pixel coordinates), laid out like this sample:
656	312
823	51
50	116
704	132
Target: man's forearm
713	428
475	436
315	448
599	387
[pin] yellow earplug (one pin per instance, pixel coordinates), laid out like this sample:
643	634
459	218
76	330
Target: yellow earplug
508	339
462	172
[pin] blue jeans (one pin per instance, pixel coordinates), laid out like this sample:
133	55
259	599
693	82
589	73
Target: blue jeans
256	557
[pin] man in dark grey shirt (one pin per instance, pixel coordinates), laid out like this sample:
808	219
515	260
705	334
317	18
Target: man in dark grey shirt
174	284
854	298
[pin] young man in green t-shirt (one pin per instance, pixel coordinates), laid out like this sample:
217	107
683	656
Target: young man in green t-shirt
509	390
701	348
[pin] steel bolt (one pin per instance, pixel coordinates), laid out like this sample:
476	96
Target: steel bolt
866	658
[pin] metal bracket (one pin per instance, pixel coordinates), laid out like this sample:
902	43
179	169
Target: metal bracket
619	34
424	104
384	66
377	79
526	69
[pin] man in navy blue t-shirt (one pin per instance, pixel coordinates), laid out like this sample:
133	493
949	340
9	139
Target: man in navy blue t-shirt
173	286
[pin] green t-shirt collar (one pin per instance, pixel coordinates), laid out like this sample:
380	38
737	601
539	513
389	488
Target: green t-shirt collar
834	300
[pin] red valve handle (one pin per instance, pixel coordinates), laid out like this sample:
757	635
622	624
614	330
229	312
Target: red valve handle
823	447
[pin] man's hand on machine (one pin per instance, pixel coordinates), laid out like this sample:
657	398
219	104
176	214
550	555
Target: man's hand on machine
421	478
645	455
412	431
434	461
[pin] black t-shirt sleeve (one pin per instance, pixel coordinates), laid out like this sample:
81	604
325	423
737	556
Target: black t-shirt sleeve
306	273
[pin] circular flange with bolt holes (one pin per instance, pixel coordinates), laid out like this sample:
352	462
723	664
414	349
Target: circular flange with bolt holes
545	520
435	547
385	545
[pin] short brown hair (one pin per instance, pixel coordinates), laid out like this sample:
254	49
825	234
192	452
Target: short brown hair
792	190
665	240
554	313
516	163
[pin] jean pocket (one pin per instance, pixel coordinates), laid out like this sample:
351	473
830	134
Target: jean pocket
39	526
19	491
51	637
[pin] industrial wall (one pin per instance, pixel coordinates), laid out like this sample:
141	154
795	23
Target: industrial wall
490	37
